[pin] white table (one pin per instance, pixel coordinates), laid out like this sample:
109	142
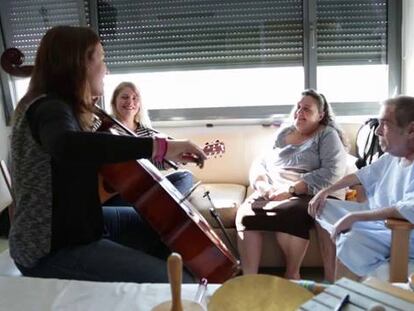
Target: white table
23	293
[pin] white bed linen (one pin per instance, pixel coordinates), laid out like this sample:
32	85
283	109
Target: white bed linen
24	293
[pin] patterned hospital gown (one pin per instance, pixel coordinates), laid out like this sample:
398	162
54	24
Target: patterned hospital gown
388	182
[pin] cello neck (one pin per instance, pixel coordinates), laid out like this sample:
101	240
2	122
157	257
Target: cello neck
109	119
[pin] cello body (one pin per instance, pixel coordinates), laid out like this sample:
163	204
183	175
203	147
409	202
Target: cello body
180	226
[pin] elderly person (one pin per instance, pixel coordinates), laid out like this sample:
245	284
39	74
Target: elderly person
362	240
307	156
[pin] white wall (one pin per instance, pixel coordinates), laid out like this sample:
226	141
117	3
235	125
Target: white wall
408	48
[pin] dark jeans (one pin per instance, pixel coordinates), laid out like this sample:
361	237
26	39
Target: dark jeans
130	251
182	180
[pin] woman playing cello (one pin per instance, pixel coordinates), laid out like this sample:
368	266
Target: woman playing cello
58	224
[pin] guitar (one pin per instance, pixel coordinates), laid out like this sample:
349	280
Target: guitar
213	149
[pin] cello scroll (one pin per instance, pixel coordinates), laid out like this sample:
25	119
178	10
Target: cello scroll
12	61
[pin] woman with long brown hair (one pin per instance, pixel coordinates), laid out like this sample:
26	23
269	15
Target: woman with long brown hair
58	226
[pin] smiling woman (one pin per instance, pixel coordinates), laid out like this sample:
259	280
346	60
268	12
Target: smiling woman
307	156
127	107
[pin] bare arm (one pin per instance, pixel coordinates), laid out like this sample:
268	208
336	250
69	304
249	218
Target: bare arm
377	214
318	201
258	177
347	221
262	185
346	181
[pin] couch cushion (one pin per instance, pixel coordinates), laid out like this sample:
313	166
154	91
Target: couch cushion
225	198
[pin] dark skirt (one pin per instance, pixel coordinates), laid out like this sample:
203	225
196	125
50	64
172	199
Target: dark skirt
288	216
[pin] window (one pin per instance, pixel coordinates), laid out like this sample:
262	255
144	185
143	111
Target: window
352	50
23	24
195	56
244	59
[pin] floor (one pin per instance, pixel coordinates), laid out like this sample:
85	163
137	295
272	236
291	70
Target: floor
314	274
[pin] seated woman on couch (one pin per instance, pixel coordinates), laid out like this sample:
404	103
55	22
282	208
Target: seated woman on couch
308	155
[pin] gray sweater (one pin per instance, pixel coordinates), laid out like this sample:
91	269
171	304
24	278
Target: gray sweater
319	161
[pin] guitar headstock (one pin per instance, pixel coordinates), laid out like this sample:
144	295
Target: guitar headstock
215	148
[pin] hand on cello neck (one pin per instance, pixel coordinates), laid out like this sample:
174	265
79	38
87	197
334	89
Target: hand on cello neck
179	151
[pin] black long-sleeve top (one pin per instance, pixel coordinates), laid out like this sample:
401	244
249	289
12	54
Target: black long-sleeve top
55	178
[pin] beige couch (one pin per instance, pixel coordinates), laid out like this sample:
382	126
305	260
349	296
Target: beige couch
226	179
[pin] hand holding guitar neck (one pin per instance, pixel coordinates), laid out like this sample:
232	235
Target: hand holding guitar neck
183	151
213	149
192	158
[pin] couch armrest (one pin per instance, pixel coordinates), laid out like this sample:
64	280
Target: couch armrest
399	248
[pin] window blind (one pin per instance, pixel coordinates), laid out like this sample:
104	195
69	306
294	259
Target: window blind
26	21
145	34
352	31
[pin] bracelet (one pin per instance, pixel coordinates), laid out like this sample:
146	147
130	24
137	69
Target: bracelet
162	146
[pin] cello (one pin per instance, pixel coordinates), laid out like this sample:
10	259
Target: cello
180	226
